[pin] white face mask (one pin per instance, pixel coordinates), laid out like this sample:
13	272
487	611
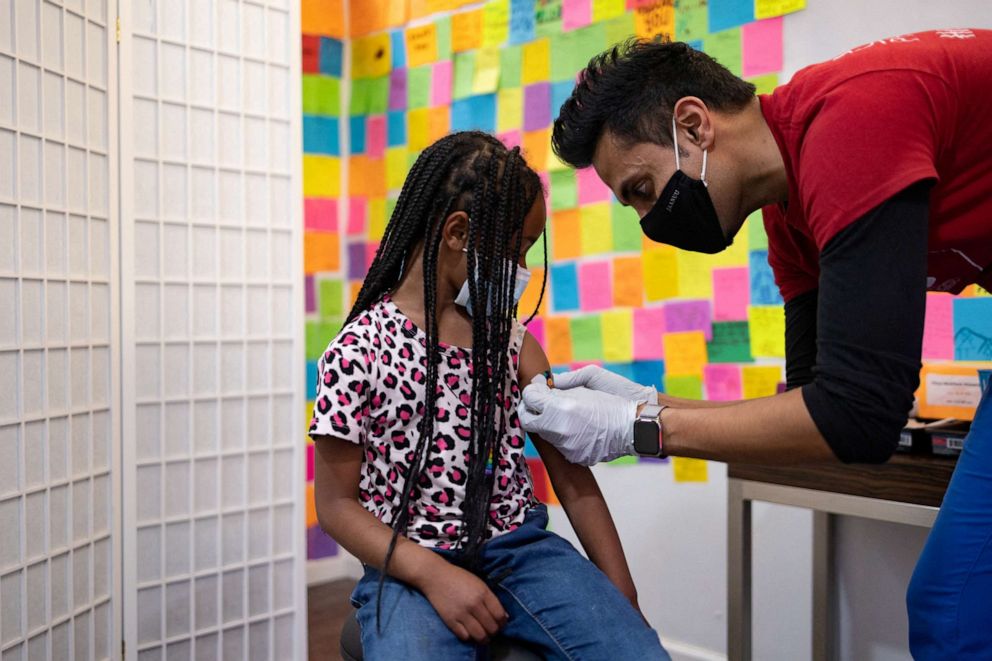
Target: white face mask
520	284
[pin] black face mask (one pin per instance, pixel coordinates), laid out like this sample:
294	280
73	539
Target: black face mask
684	215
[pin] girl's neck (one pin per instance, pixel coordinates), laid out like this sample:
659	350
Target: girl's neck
409	298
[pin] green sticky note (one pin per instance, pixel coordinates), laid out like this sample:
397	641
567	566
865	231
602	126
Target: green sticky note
566	58
464	70
378	95
756	237
331	294
321	95
725	48
619	28
587	338
360	91
765	84
547	18
623	461
687	387
731	343
591	42
412	157
443	31
418	87
535	256
319	334
691	20
509	66
390	205
626	228
563	190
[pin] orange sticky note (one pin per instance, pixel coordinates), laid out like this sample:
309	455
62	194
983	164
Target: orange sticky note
353	289
321	252
536	147
421	45
324	17
357	176
466	31
655	19
566	237
685	353
311	506
438	123
375	170
558	338
529	300
628	282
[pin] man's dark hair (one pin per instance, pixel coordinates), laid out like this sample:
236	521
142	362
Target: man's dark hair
631	90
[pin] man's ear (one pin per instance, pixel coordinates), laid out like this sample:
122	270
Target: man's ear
454	233
692	118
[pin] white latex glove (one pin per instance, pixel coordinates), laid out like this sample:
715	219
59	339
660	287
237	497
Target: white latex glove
587	426
595	377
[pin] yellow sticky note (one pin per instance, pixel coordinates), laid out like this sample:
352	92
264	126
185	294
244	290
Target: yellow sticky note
321	176
485	80
496	22
466	31
396	166
661	274
618	328
371	56
767	325
735	255
421	45
509	109
695	275
771	8
377	219
760	380
655	20
536	62
606	9
689	470
597	229
417	132
685	353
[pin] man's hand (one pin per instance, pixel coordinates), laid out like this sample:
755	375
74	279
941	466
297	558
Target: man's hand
595	377
587	426
465	603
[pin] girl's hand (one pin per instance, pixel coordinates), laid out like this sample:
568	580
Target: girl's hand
465	603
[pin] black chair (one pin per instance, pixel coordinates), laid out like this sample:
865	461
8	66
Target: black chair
502	649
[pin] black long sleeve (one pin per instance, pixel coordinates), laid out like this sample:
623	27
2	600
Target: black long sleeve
800	339
870	308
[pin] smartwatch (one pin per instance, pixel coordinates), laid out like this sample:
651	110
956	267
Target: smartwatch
649	432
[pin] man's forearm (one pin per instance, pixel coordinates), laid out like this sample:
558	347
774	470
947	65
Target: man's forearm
770	430
679	402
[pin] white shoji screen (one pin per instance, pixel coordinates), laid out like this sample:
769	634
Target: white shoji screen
212	330
58	345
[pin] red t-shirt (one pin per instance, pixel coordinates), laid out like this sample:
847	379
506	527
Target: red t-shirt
862	127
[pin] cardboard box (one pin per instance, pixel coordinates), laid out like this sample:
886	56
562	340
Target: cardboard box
950	390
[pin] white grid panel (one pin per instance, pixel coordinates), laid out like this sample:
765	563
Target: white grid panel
211	236
57	345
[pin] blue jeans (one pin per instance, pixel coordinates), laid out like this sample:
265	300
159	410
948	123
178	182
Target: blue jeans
950	594
559	604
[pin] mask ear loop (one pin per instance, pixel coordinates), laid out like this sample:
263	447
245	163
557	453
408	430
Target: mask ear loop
678	162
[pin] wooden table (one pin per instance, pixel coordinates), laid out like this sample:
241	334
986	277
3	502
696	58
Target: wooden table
908	489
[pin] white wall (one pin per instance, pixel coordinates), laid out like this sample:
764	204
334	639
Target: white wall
675	534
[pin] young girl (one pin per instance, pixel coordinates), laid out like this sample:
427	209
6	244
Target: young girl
420	468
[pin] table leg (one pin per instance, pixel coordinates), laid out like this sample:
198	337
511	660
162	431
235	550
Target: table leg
824	582
738	573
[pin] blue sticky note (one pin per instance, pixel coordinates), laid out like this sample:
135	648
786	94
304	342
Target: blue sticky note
764	291
725	14
521	21
320	135
529	450
564	287
649	373
311	379
973	328
357	134
474	113
398	48
396	128
696	44
559	95
625	370
330	56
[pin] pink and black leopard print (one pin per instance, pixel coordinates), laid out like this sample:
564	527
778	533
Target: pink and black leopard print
370	391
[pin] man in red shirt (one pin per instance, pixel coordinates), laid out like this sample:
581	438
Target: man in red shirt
874	173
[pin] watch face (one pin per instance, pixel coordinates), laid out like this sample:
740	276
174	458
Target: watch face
646	437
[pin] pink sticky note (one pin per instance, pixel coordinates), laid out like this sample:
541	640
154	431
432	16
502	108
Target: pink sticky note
357	215
536	328
575	14
649	324
397	89
723	382
580	365
310	294
320	214
761	47
370	250
938	329
595	286
310	462
731	294
591	187
689	316
545	185
510	138
375	136
441	90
